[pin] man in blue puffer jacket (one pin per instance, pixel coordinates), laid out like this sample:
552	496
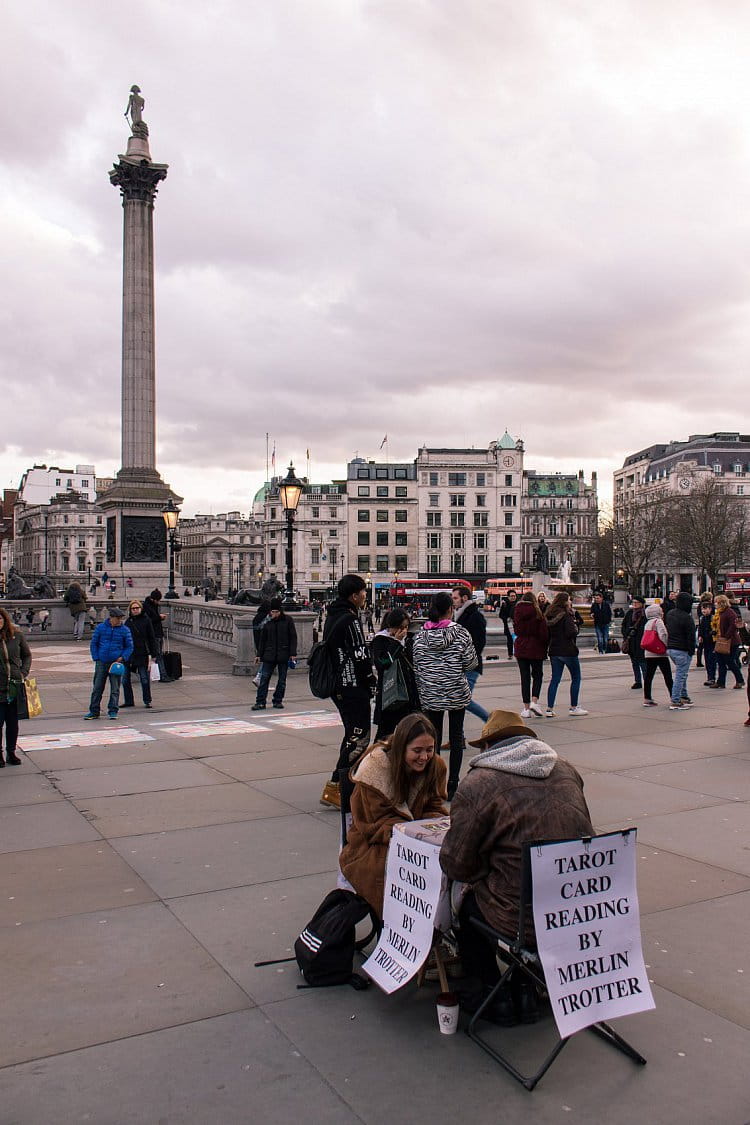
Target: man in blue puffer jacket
112	641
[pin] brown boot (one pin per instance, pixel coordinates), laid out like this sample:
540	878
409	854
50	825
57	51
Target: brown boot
331	795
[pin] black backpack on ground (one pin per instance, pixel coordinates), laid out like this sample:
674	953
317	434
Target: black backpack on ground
321	671
325	949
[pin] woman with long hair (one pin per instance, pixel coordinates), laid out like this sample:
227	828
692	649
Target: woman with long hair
443	653
725	627
15	662
400	779
532	636
393	646
563	653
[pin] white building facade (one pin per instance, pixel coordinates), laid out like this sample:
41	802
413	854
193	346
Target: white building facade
40	484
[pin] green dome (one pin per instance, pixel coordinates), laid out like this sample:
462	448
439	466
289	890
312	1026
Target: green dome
506	441
260	495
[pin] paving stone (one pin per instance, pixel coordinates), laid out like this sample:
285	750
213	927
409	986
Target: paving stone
21	787
711	742
231	1069
666	880
716	835
114	973
231	855
179	808
302	791
77	878
726	777
257	765
609	754
89	757
615	800
43	826
148	777
691	952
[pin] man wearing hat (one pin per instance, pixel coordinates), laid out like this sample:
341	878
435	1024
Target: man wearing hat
111	642
517	790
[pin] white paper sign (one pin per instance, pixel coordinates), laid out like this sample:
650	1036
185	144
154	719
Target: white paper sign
412	889
588	929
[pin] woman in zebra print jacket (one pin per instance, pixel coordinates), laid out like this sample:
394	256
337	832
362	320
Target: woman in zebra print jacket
443	653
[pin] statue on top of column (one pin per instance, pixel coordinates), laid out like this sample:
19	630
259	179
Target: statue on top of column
134	111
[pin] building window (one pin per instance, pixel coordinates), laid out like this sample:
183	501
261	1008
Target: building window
332	513
434	499
381	490
738	469
508	564
333	533
273	513
401	491
363	515
363	562
433	564
333	556
480	540
81	542
381	563
553	527
457	564
58	482
65	518
481	480
481	499
66	540
363	490
508	517
272	557
481	519
315	556
569	528
399	474
434	540
400	538
316	513
434	519
458	540
84	484
508	542
458	519
65	562
381	539
717	468
458	500
433	479
98	519
740	490
81	562
382	515
381	474
363	474
480	564
508	480
401	562
363	538
535	502
401	515
457	480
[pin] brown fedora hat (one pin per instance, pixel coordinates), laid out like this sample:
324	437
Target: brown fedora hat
502	724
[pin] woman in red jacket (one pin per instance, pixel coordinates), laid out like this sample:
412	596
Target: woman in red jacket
530	650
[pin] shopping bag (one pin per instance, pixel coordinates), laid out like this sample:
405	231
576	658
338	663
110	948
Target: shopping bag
395	692
154	673
28	700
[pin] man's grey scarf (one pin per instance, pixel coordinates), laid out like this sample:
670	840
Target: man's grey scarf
529	757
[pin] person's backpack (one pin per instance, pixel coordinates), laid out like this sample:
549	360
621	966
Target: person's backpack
321	671
325	949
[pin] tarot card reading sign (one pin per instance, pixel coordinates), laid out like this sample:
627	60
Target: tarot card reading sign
412	889
588	929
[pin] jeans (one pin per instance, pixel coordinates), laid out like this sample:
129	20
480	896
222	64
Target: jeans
354	709
652	663
9	720
127	687
476	708
602	637
509	641
559	664
455	737
729	663
266	671
682	661
79	624
101	675
709	658
638	661
531	678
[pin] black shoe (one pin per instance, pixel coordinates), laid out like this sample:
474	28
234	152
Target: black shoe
526	1000
126	705
279	706
258	707
709	683
2	762
472	994
636	687
147	705
166	680
13	760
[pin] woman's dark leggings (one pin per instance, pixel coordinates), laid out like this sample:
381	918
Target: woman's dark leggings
9	720
531	678
455	737
652	663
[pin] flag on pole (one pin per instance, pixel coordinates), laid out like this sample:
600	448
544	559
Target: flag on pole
385	439
273	458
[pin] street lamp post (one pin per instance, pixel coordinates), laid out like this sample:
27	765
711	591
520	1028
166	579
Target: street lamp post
260	577
171	515
290	491
369	590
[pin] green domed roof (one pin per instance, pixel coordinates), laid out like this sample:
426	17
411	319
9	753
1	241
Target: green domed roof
506	441
260	495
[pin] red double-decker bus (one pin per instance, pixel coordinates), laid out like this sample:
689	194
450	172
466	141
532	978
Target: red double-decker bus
413	594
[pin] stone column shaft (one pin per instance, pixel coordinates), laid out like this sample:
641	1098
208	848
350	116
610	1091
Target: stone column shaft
138	344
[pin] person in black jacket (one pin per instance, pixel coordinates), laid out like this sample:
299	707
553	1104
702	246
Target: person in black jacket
633	624
467	613
152	611
680	648
601	611
355	681
277	646
144	647
393	645
506	611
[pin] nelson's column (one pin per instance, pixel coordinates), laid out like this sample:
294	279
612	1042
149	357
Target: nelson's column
136	532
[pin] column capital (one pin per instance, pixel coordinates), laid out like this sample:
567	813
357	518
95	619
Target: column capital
137	180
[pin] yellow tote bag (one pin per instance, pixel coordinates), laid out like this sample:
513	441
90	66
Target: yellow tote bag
33	699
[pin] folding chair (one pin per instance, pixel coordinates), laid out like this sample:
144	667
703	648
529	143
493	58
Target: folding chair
521	959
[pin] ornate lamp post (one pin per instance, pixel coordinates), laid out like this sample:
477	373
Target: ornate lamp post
171	515
290	491
369	590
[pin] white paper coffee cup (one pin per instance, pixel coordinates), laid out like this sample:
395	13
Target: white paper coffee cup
447	1013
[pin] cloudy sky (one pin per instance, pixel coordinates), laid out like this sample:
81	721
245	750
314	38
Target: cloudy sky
435	219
